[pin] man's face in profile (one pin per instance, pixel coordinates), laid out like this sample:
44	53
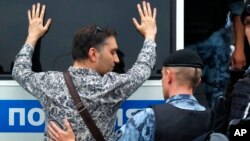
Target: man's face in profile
107	56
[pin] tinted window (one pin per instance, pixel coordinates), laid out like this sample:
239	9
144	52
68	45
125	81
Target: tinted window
67	17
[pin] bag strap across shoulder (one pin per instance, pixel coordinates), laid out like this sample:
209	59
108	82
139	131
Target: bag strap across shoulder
82	110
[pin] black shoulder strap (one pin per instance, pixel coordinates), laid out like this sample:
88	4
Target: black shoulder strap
82	109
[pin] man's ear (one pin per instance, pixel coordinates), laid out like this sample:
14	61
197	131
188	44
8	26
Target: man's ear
169	75
93	54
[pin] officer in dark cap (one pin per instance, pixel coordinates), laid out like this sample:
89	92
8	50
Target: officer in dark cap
181	73
181	117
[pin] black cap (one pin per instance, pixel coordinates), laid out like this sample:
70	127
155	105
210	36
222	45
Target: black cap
183	58
246	11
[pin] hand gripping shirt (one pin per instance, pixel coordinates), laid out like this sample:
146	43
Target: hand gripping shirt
102	95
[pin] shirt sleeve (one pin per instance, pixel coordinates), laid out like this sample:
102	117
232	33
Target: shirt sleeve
140	127
33	82
127	83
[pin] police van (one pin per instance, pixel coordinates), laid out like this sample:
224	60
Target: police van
21	115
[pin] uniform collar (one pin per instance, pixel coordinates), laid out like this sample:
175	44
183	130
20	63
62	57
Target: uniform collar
181	97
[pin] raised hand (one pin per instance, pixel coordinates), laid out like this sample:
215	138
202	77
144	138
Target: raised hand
148	26
36	24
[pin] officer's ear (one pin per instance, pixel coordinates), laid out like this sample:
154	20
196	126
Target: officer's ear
169	74
197	78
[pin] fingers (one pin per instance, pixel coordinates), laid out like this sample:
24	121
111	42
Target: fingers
154	14
149	9
29	16
57	134
37	15
67	125
52	133
140	10
147	27
55	127
33	11
47	24
135	23
42	12
145	10
37	10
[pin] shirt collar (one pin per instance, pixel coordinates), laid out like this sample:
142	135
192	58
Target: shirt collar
82	71
181	97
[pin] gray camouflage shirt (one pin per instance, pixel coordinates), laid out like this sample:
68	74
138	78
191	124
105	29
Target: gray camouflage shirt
102	95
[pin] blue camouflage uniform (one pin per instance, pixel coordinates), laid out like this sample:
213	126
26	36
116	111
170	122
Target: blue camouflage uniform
141	127
215	53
